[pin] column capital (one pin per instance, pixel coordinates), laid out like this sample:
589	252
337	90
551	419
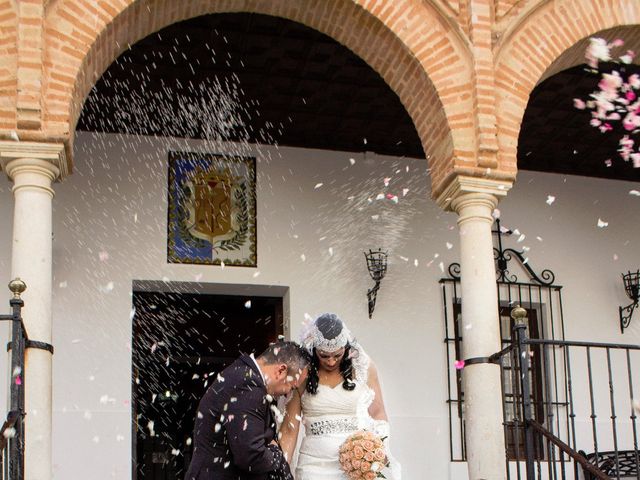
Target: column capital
39	153
463	189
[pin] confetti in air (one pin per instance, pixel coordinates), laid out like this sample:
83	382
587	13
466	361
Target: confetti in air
106	288
615	101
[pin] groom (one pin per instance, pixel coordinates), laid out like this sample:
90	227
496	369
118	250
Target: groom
234	435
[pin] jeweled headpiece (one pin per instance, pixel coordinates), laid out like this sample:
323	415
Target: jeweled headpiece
327	333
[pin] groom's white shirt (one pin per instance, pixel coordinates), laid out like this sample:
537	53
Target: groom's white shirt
264	380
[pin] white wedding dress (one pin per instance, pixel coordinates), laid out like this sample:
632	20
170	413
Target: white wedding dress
329	417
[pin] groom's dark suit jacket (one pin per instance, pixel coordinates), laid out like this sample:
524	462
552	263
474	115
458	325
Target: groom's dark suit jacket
234	427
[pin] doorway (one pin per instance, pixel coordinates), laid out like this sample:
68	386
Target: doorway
181	339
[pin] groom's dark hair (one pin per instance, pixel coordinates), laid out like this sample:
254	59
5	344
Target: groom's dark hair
290	353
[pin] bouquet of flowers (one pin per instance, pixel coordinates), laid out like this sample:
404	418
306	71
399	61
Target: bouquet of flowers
363	456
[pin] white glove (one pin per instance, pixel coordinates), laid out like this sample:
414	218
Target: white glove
383	430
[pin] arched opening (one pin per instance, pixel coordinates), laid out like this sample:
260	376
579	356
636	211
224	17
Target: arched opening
556	137
560	32
284	83
413	56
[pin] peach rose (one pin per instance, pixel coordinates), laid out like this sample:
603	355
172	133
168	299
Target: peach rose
368	456
370	476
379	455
368	445
358	452
365	467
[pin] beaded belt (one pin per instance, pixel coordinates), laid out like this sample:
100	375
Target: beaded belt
340	425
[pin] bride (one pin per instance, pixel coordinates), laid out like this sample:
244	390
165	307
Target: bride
341	396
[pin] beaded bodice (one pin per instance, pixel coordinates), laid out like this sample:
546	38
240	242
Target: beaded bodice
336	410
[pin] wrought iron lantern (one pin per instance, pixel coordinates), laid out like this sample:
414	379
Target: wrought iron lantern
377	266
632	287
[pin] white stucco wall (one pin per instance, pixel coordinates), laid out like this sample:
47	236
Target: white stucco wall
115	202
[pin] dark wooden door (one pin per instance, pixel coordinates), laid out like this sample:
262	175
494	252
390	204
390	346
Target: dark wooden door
180	343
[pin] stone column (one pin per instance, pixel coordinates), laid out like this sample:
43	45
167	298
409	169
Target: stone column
33	167
474	200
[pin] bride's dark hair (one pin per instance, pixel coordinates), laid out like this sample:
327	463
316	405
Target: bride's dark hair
330	326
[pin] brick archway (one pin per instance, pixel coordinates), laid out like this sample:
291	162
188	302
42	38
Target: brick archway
415	49
537	41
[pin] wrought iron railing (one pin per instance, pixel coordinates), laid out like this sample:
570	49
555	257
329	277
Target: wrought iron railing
516	283
12	431
579	379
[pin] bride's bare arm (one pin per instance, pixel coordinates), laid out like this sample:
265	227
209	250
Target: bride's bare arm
376	409
291	425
